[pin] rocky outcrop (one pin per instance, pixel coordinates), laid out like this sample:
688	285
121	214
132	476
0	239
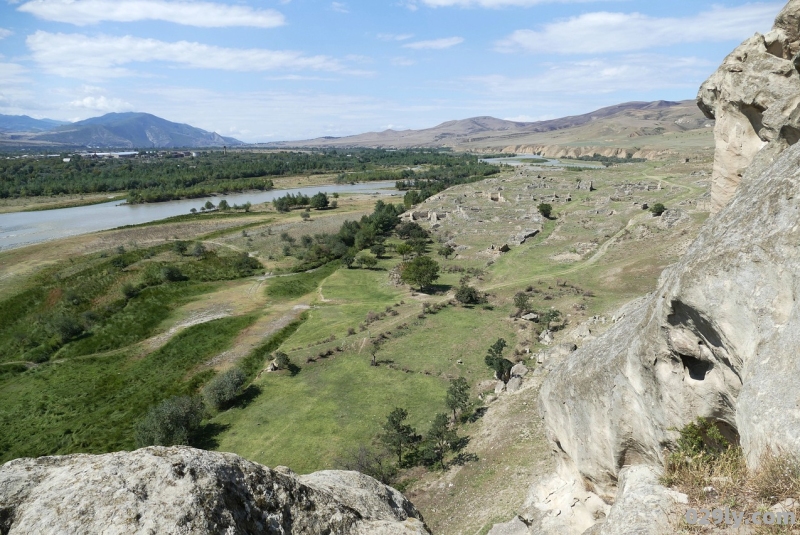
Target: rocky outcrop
718	339
561	151
188	491
755	98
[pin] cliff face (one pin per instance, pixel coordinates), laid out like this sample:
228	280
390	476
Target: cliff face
188	491
718	338
755	98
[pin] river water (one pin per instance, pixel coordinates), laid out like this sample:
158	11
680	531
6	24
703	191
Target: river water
520	160
25	228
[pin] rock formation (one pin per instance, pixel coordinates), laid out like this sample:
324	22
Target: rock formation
718	338
755	98
188	491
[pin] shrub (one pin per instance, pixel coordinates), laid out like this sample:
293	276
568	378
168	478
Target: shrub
223	388
467	295
129	290
172	422
282	360
658	209
523	302
171	274
545	209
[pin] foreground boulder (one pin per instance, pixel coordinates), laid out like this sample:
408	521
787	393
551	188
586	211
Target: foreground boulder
188	491
753	97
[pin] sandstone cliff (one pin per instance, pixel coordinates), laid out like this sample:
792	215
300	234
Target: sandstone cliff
188	491
755	98
717	339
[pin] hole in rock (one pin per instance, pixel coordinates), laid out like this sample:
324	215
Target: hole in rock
790	134
697	368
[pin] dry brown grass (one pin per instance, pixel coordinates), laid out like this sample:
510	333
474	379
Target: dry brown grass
723	480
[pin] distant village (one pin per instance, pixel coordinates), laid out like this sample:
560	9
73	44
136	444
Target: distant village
112	155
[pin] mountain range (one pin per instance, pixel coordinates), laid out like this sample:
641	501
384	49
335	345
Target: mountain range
113	130
622	125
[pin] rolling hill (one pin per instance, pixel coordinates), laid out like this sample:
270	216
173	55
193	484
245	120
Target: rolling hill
119	130
23	123
660	125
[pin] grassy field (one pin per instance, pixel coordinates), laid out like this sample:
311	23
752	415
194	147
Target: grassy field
600	250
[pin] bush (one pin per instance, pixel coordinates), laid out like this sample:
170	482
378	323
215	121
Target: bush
171	274
129	290
224	388
658	209
545	209
172	422
282	360
467	295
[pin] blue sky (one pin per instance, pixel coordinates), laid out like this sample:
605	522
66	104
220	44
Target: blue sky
294	69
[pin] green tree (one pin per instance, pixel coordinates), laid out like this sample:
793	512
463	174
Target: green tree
397	435
208	205
404	250
282	361
199	250
223	205
440	438
378	249
523	302
319	201
467	295
494	359
422	271
545	209
446	251
658	209
171	274
457	396
172	422
306	215
223	388
180	247
367	261
348	259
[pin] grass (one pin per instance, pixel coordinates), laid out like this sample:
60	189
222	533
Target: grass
294	286
91	404
309	420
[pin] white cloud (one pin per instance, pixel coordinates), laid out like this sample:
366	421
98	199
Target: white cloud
15	89
80	56
395	37
413	4
403	62
636	73
603	32
202	14
102	104
339	7
435	44
5	33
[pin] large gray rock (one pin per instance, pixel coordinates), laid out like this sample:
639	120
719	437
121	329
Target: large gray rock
718	339
188	491
753	97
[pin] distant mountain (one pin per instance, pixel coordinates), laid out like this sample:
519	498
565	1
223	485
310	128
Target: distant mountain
132	130
613	124
23	123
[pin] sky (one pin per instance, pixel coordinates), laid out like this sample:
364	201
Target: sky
273	70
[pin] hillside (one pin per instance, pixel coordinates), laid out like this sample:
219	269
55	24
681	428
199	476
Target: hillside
23	123
660	125
117	130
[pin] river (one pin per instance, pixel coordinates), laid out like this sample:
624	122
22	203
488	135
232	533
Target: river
18	229
520	160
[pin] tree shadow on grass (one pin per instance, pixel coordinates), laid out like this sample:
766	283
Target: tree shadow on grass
294	369
247	396
463	458
460	443
206	437
479	413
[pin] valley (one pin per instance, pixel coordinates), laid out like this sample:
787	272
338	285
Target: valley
599	249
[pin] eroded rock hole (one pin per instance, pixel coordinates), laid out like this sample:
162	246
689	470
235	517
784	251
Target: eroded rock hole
697	368
790	134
